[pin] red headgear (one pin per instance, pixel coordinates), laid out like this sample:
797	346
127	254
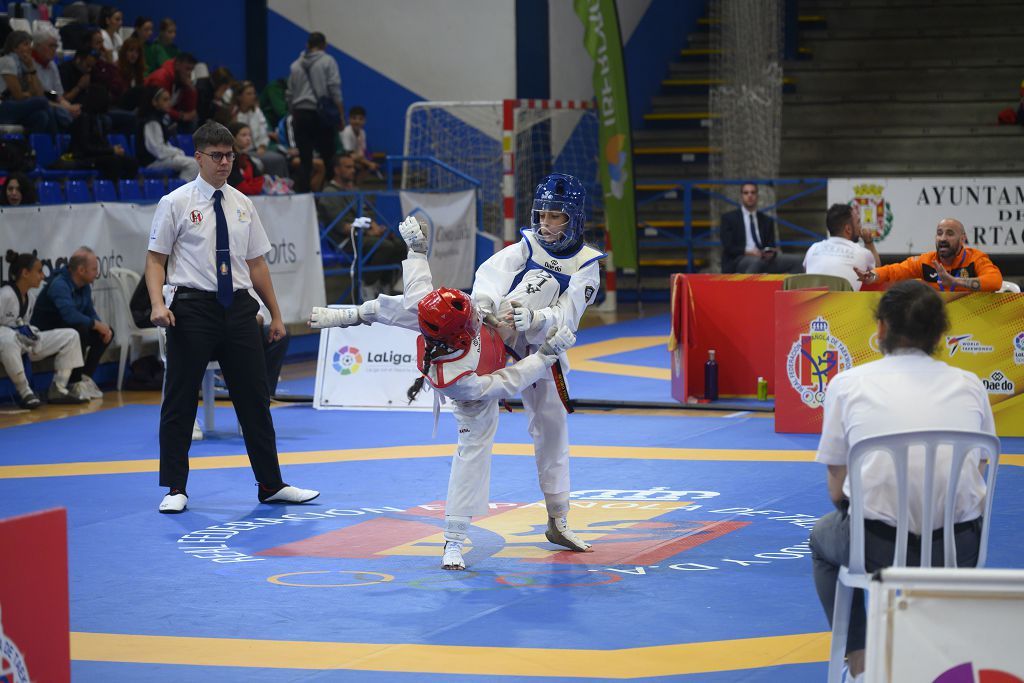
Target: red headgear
446	317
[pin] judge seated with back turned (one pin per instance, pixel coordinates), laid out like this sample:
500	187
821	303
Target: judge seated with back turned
748	240
207	241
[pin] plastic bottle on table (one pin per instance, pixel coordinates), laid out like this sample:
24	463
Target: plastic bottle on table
711	377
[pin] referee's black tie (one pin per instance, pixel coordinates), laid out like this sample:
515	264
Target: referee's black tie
225	291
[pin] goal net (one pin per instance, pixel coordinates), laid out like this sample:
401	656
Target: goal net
508	146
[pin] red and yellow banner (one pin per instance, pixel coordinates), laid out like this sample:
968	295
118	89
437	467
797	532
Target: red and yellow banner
819	334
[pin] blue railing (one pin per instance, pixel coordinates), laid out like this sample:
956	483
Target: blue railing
686	190
342	254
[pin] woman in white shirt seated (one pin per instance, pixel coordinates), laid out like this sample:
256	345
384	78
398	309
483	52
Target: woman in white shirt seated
908	389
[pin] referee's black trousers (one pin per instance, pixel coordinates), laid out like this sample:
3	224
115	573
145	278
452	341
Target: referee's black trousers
205	331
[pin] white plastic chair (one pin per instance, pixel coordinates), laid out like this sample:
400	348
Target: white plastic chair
209	392
127	280
898	447
1011	287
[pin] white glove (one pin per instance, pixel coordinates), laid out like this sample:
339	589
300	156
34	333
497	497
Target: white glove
412	233
558	341
321	317
525	319
362	223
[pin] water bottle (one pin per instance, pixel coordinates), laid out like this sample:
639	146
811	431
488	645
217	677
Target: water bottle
711	377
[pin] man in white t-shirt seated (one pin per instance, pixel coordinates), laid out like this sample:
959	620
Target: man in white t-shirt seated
906	390
840	253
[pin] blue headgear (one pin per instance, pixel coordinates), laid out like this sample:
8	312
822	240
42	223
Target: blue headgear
564	193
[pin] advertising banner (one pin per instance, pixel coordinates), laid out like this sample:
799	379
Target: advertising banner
603	41
451	238
368	367
819	334
34	617
119	234
904	212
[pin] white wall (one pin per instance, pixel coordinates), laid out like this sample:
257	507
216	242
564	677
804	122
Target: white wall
442	49
571	67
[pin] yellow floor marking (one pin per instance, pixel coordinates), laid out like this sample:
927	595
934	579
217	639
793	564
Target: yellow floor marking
580	357
640	662
217	462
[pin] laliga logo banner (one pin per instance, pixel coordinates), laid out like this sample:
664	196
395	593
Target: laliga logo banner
368	367
903	212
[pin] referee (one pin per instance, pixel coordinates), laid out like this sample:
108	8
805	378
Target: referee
208	243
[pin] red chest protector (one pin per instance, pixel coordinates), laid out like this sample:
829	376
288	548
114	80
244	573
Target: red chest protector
485	355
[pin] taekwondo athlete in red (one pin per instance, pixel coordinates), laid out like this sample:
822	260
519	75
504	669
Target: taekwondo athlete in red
462	361
543	282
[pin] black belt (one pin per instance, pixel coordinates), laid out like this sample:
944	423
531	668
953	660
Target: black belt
187	293
888	532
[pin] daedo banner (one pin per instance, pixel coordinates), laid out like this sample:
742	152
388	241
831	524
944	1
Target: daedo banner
119	234
820	334
904	212
615	144
451	233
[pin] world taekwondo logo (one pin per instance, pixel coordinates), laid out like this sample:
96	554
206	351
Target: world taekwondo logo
965	343
347	360
813	360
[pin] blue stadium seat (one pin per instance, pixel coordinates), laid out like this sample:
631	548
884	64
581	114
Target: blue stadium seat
124	141
128	190
174	183
50	192
184	143
48	150
157	172
78	192
153	188
104	190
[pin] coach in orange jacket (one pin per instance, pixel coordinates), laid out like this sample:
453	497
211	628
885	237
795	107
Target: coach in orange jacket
952	267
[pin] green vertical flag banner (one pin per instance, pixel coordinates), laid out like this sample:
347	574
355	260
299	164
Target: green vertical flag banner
615	141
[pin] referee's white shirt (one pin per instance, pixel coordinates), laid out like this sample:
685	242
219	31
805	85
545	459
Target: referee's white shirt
838	256
903	391
185	228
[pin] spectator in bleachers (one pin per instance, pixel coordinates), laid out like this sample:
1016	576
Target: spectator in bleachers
316	178
44	51
249	113
274	102
90	146
103	72
386	248
163	48
67	302
22	100
132	64
18	337
314	81
143	30
111	20
213	97
152	146
245	175
18	190
353	140
175	77
76	74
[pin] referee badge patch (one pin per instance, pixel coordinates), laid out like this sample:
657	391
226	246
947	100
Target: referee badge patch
195	216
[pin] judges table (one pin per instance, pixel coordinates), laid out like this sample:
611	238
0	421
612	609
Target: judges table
799	340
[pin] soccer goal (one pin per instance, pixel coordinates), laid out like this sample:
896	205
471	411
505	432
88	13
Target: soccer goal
508	146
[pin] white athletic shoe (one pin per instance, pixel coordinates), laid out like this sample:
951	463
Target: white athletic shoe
197	431
452	558
288	494
91	388
173	503
559	533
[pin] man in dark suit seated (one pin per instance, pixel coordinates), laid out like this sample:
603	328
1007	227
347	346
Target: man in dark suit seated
748	240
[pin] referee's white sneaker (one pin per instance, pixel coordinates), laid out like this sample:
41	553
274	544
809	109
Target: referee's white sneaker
174	502
286	494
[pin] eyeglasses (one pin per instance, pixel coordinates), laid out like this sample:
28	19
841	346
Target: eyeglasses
219	156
